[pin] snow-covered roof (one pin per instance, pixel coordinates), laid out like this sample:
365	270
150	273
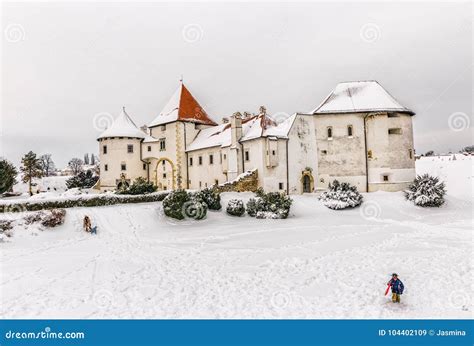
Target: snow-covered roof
360	96
184	107
123	126
254	127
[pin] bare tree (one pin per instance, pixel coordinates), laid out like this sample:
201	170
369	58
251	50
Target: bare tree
76	165
47	165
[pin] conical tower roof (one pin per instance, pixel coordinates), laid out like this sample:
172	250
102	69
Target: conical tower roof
123	126
183	107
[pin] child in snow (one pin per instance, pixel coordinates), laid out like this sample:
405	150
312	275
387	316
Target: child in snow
397	288
94	230
87	224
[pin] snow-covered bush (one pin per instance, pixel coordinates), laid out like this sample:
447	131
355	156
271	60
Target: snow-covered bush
211	197
34	217
180	204
139	187
235	207
54	218
341	196
271	205
83	180
426	191
5	225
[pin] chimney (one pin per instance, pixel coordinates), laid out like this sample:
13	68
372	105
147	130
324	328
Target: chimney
236	128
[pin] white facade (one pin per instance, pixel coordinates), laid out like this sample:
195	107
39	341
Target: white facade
370	146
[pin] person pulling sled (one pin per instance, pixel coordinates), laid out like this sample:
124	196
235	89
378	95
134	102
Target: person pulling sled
397	288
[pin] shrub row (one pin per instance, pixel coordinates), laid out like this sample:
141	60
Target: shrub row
94	201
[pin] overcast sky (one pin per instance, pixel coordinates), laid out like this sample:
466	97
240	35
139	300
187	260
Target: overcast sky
62	64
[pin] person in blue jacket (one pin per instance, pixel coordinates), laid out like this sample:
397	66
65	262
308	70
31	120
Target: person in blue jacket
397	288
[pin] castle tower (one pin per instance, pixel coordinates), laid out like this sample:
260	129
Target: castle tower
119	153
171	132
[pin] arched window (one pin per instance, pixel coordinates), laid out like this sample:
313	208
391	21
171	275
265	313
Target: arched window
349	130
329	132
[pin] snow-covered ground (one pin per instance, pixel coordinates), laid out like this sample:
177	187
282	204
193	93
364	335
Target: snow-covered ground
318	263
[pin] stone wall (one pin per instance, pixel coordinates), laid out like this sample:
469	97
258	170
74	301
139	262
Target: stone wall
247	181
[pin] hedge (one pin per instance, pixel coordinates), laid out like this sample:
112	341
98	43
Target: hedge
90	201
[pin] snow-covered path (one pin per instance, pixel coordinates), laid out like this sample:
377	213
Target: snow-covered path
318	263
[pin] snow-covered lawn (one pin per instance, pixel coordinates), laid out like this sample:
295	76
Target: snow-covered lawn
319	263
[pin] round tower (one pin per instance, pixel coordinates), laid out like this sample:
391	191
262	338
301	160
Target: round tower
120	154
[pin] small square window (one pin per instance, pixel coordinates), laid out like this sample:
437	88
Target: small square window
123	167
130	148
397	131
385	177
149	148
280	186
324	152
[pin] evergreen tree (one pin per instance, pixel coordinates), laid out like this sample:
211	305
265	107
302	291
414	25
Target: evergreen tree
8	174
426	191
31	168
86	158
92	159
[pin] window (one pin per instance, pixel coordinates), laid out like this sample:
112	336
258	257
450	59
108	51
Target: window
225	156
163	127
324	152
205	184
162	144
349	130
130	148
164	175
216	182
200	184
273	152
123	167
385	177
106	168
211	159
200	160
247	155
163	163
149	148
329	132
280	186
190	161
392	115
369	154
144	166
104	149
397	131
410	153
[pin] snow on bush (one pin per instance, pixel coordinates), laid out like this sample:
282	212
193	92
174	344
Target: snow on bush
271	205
82	180
341	196
54	218
426	191
180	204
34	217
211	197
235	207
139	187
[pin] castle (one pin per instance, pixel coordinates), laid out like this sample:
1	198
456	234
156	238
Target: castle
359	134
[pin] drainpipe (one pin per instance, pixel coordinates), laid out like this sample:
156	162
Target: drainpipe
366	154
287	170
186	154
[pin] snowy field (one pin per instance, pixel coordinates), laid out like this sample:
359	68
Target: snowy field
319	263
